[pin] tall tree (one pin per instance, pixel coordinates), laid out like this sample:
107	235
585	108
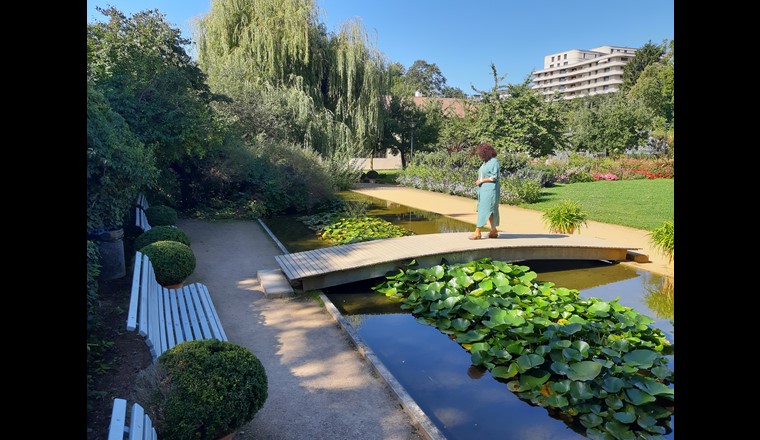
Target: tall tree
609	123
516	118
140	65
426	78
645	55
330	85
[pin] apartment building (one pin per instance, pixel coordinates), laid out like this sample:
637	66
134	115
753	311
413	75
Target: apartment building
576	73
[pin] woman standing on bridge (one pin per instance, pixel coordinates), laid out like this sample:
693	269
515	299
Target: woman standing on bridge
489	190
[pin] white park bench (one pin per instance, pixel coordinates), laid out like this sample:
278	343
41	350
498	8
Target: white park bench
140	426
140	219
167	317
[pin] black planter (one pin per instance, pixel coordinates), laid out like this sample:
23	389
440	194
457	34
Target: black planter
111	246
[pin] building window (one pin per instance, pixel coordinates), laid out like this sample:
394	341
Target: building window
565	56
606	87
551	65
562	80
563	71
606	78
606	69
596	80
623	59
552	59
565	64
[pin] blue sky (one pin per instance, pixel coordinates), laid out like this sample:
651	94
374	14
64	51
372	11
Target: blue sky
462	37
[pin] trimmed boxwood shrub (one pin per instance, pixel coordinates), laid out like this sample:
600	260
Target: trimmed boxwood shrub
372	174
161	215
172	261
161	233
202	390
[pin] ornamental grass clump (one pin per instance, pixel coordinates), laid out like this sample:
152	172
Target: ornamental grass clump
161	215
663	239
565	217
161	233
173	262
202	390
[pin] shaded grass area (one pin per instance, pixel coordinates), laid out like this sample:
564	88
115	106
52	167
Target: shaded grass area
642	204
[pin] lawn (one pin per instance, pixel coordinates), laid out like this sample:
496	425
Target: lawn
642	204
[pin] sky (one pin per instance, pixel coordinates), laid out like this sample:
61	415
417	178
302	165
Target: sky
464	37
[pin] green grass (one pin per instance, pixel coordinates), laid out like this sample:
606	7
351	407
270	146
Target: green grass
642	204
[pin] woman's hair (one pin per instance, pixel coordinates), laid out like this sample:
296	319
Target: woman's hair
485	151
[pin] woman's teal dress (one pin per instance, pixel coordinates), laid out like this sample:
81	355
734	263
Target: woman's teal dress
488	193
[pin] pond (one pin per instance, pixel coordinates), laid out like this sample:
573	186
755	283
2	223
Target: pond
464	401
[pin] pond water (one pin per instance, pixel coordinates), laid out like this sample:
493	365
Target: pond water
464	401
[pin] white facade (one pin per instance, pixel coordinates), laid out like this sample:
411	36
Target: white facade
576	73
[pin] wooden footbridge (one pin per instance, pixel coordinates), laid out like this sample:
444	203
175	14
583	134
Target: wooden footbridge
332	266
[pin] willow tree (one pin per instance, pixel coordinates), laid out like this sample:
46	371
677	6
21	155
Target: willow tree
328	87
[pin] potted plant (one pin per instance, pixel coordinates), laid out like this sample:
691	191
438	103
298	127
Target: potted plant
161	215
161	233
662	239
172	262
202	390
565	217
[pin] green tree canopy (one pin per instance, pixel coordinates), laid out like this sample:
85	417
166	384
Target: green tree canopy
119	166
609	123
328	88
645	55
516	118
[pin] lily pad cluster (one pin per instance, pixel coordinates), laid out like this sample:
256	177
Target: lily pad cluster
338	229
598	364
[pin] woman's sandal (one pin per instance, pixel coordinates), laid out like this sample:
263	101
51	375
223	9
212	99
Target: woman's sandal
493	234
475	237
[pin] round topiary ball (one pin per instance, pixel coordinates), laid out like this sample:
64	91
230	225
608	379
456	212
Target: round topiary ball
161	233
202	389
371	174
161	215
172	261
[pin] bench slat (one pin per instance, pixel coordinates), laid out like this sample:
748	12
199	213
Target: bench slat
201	311
179	335
161	336
144	284
168	320
186	330
191	314
135	296
136	422
118	419
213	317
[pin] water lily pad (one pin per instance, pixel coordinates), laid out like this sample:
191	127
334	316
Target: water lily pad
641	358
584	370
651	386
557	401
569	329
470	336
614	402
460	324
638	397
612	384
645	420
619	430
533	379
505	372
624	417
561	386
571	354
582	347
476	306
580	390
599	308
662	372
596	434
590	420
560	368
528	361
